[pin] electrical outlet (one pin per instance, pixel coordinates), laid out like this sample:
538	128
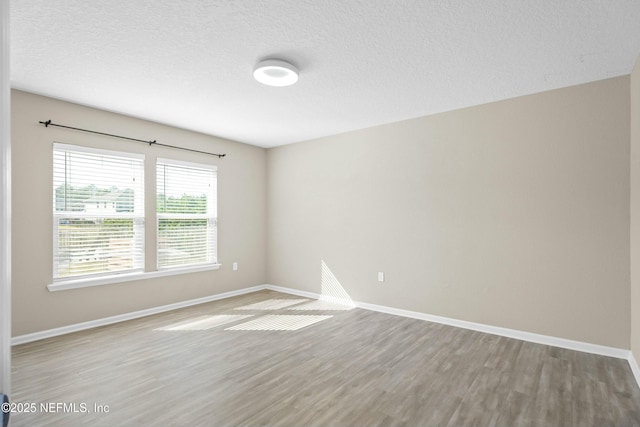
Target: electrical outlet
235	266
380	276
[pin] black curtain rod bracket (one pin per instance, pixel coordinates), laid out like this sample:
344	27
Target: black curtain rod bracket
154	142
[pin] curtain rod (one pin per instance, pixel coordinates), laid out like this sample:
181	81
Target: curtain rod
154	142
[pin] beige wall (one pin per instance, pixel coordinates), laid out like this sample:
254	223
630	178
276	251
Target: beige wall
241	200
635	210
514	214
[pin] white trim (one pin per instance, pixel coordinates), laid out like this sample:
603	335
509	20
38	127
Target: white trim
291	291
22	339
5	202
504	332
335	300
127	277
494	330
634	367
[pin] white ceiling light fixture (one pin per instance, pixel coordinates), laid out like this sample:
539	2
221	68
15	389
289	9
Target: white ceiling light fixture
275	72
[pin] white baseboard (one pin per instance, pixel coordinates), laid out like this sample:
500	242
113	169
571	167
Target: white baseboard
634	367
49	333
602	350
495	330
505	332
291	291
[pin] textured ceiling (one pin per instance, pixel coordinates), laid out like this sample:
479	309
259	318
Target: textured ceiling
362	62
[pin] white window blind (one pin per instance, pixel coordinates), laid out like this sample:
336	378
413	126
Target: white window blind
187	214
98	212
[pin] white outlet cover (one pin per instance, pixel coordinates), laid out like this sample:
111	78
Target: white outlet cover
380	276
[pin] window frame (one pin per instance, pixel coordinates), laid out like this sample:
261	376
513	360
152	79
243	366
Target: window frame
150	231
138	217
211	217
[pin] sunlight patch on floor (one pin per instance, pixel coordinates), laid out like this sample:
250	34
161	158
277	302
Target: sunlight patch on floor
272	304
275	322
203	323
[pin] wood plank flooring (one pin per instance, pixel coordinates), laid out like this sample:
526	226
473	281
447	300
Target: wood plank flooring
346	368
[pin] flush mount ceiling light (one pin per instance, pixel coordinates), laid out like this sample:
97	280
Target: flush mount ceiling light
275	72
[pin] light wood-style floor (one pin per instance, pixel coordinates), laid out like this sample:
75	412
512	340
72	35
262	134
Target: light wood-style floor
349	368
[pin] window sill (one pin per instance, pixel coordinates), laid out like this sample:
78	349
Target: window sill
120	278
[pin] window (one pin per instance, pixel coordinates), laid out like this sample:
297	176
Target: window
187	214
99	217
98	212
